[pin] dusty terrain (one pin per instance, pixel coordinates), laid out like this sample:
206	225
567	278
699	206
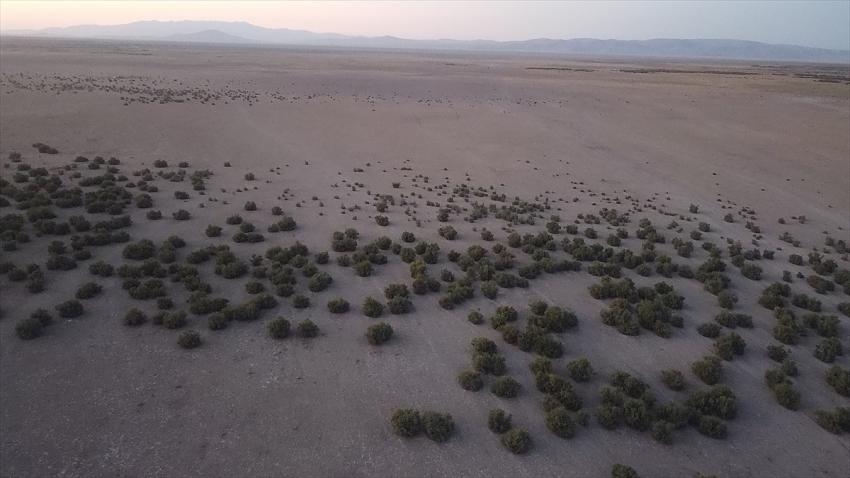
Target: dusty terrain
325	133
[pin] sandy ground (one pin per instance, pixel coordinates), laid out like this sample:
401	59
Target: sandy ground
95	398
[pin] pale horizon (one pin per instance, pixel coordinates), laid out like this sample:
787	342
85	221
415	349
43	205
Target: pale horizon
820	24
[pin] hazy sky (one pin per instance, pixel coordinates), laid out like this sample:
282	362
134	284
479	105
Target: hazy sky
812	23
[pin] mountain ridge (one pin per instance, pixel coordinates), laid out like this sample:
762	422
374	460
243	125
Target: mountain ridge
247	33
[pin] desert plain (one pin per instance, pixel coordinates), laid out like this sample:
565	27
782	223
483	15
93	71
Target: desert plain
481	182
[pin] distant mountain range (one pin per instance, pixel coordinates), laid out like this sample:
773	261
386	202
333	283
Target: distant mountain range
246	34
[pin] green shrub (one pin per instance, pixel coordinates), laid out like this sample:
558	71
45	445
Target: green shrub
483	345
609	416
662	432
580	370
559	422
88	290
29	328
475	317
135	317
372	308
828	349
623	471
399	305
174	320
320	282
786	395
70	309
718	401
711	427
505	387
438	426
728	346
491	363
254	287
836	421
708	329
213	231
189	339
448	233
279	328
217	321
708	369
674	379
42	315
363	268
338	306
300	301
379	333
470	380
839	379
306	328
144	249
517	440
489	289
498	421
406	422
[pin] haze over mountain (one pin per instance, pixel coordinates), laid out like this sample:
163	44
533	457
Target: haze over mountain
246	33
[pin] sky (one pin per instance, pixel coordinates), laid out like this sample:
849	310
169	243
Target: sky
824	24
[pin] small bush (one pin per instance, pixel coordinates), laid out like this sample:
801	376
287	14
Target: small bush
711	427
580	370
438	426
517	440
498	421
279	328
470	380
189	339
708	369
379	333
300	301
338	306
674	379
134	318
70	309
475	317
213	231
559	422
174	320
786	395
505	387
306	328
28	329
372	308
623	471
88	290
839	379
406	422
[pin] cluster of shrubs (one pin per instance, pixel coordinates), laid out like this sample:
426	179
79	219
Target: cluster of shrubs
551	318
286	223
517	440
558	392
409	422
783	389
653	314
398	299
